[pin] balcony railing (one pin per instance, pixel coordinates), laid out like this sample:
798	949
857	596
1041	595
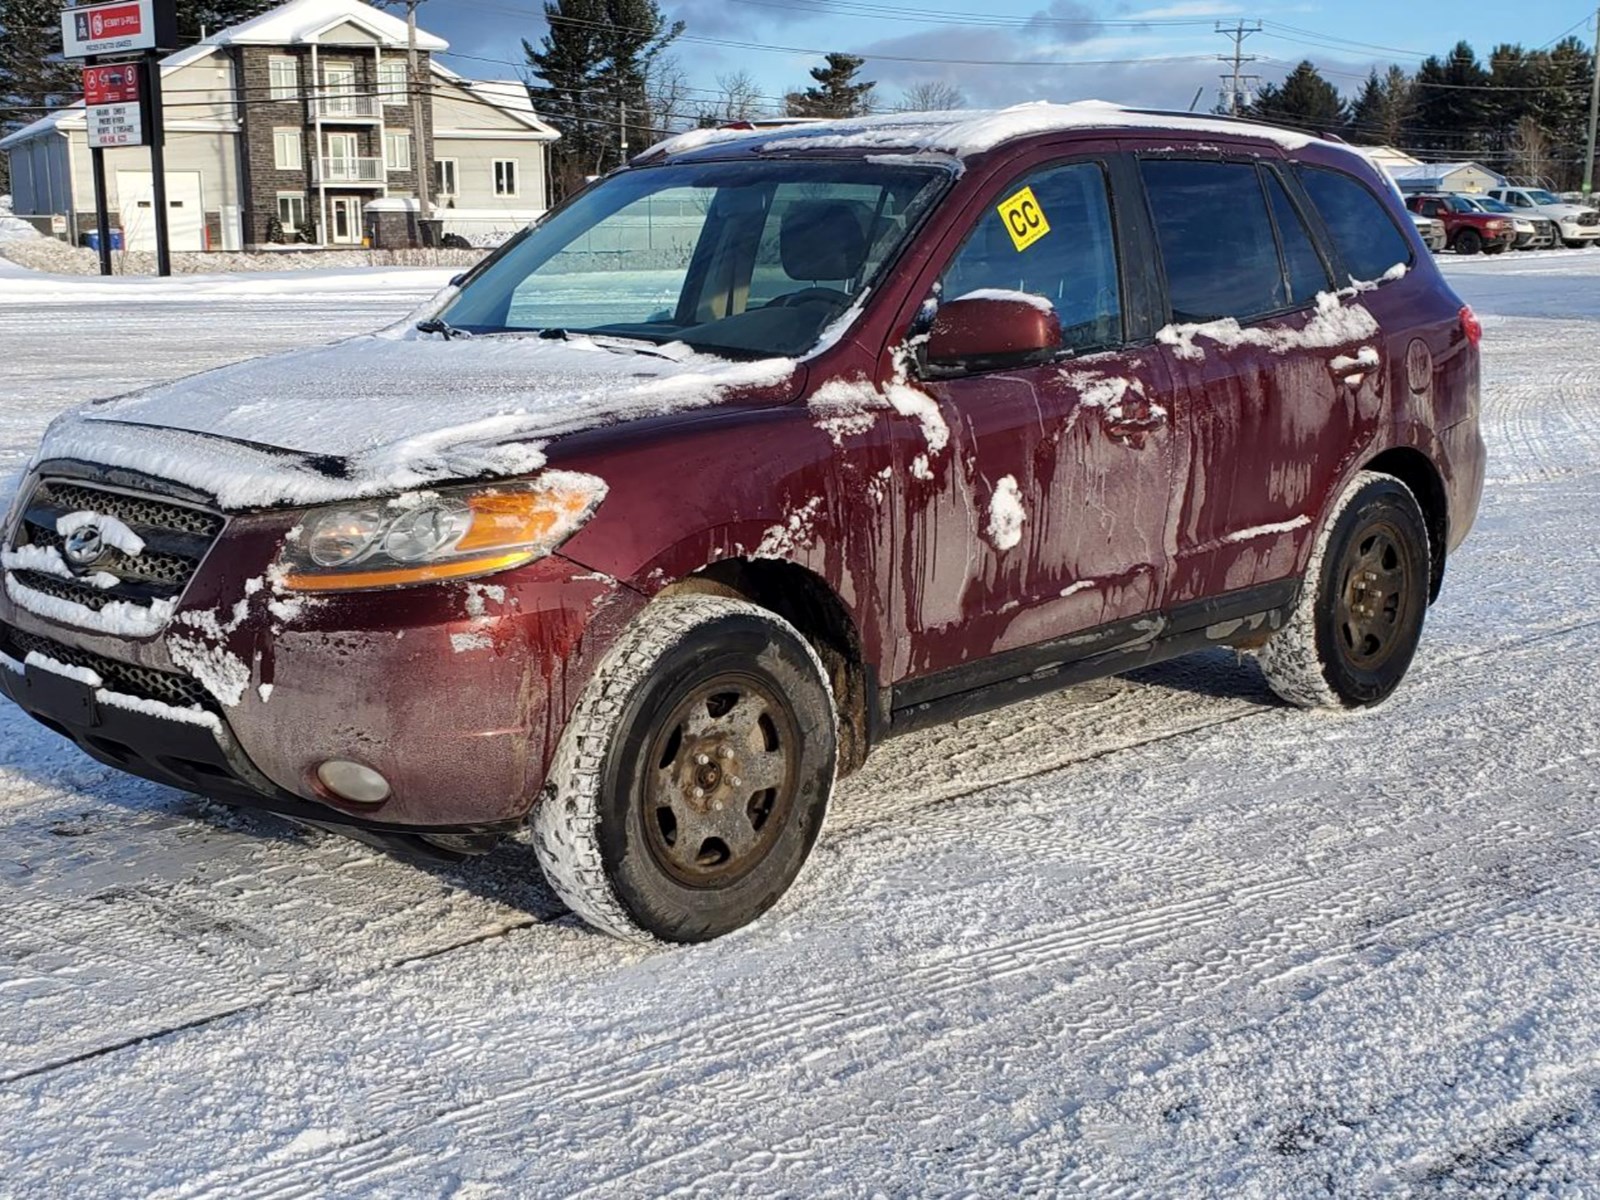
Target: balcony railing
338	107
348	170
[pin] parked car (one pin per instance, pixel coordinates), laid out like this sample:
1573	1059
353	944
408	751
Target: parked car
1579	223
1467	229
631	555
1533	232
1432	231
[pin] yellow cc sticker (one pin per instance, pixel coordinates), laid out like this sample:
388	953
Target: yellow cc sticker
1024	218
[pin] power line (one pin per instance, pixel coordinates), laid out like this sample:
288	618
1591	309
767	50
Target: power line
1234	94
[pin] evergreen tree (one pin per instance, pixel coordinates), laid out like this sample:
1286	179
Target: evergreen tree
1514	79
207	16
1452	104
594	64
836	92
33	75
1566	76
1383	109
1305	100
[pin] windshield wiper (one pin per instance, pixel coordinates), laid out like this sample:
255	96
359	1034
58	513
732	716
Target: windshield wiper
610	341
436	325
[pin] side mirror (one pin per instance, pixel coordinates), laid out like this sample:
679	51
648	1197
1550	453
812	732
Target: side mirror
979	332
458	280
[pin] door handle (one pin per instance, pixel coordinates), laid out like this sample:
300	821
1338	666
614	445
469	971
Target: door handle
1351	369
1134	416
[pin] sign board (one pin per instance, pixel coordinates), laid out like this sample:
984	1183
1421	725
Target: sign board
115	116
120	28
58	223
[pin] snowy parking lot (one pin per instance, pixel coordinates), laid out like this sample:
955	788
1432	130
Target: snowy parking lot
1157	935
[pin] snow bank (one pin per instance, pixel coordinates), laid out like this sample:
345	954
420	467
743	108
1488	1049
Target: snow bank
379	414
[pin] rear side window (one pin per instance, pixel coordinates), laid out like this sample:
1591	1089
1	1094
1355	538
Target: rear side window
1307	275
1368	239
1073	264
1216	239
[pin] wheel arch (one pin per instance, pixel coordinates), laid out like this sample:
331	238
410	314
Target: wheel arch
1414	469
804	599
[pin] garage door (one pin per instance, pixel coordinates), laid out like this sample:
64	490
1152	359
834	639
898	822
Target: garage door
185	214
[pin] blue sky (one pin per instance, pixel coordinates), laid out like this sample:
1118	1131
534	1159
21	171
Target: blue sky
1155	53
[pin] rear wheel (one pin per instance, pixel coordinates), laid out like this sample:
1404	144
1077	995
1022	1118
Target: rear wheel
1468	241
1359	618
694	776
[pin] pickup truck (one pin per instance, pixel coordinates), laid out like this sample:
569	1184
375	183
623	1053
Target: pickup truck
1579	223
1467	230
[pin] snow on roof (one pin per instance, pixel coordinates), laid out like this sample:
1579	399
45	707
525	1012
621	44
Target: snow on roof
304	21
1436	170
972	132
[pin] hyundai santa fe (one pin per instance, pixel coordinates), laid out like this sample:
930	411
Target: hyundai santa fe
771	445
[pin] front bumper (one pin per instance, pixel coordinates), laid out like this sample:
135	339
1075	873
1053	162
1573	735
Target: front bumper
1579	233
456	693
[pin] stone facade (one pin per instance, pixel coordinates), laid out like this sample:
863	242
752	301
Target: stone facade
264	181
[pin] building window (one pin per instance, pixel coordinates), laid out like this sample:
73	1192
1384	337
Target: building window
505	177
292	211
392	81
397	151
284	76
287	153
444	177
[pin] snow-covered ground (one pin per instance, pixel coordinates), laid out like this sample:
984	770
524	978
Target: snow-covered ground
1155	935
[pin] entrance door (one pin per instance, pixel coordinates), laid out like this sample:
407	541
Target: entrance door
346	220
185	213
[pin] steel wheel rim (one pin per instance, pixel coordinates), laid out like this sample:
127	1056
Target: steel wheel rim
720	781
1375	597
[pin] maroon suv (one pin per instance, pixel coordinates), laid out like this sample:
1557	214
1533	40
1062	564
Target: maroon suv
1468	229
775	444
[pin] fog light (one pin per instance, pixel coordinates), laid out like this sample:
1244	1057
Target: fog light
352	781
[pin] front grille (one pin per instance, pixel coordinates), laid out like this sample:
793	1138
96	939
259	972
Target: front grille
129	679
1589	218
176	538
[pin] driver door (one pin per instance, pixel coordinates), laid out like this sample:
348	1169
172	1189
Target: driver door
1080	449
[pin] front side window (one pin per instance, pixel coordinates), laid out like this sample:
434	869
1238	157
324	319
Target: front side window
1066	252
505	177
1216	240
283	78
742	258
287	153
1368	239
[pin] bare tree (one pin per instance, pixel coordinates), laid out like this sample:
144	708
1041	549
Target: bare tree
1530	147
931	95
739	97
667	92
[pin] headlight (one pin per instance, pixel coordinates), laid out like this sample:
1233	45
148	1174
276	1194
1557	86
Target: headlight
453	533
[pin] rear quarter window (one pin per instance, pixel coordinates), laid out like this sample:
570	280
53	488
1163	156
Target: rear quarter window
1368	239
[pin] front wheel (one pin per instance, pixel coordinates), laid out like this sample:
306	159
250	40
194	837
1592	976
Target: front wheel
694	775
1356	626
1468	241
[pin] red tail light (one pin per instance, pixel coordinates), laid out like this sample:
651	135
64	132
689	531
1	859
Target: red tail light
1470	325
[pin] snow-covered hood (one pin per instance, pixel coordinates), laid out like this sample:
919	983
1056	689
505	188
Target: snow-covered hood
381	414
1561	212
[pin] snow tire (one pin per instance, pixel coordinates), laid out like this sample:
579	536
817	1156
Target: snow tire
589	828
1307	662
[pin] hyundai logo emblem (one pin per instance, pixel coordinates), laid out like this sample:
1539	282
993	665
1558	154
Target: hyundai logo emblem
84	546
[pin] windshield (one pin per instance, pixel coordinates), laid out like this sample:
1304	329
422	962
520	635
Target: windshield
1486	204
1539	196
746	259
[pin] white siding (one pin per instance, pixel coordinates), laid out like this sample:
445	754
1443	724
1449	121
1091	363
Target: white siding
475	159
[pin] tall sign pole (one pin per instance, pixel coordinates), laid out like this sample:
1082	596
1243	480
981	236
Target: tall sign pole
1594	113
120	44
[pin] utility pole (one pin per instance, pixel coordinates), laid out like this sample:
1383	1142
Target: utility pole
1234	84
622	131
1594	112
419	142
